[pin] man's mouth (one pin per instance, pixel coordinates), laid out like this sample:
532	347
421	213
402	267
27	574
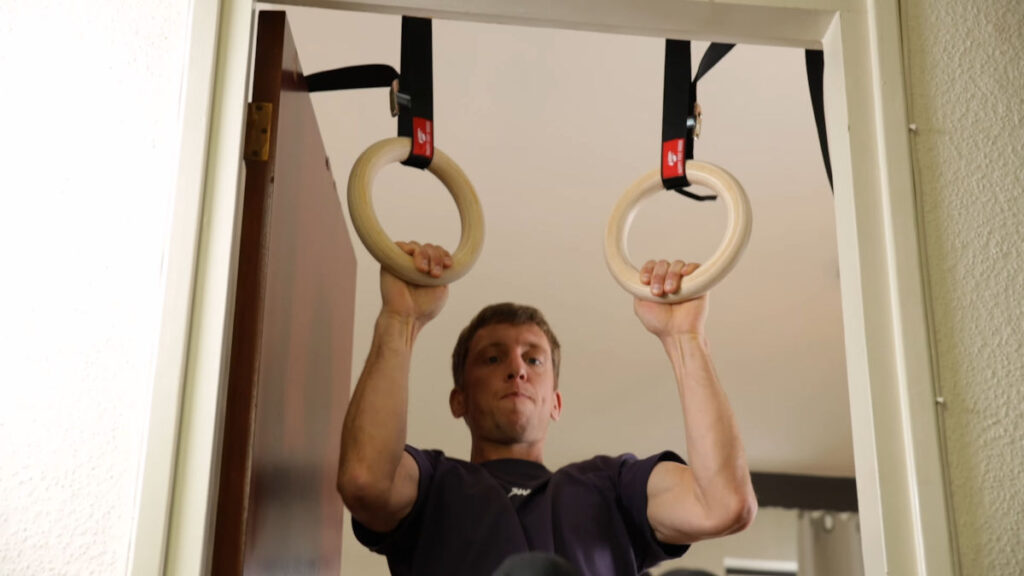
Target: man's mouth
516	394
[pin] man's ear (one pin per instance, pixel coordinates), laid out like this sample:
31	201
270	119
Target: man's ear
556	406
457	402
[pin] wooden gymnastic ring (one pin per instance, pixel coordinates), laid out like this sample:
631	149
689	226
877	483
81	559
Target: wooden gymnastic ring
710	272
376	240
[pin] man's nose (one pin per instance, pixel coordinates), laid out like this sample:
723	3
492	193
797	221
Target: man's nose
517	370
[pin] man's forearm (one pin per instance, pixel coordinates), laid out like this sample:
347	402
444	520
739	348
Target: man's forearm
374	433
714	448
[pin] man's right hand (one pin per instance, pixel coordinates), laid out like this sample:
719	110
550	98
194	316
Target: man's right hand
378	480
418	303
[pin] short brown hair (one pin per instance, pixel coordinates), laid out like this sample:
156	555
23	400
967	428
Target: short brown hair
503	313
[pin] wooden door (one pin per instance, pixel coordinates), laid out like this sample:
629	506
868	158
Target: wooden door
278	511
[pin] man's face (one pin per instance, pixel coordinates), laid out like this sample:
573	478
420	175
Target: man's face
508	392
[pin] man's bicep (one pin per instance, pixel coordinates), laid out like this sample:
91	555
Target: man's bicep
407	484
384	516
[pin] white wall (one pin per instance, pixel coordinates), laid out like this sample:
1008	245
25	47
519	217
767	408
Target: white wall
966	68
88	144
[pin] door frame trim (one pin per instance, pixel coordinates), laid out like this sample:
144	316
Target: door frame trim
179	465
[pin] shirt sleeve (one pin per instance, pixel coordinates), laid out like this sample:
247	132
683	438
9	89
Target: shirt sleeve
632	486
400	541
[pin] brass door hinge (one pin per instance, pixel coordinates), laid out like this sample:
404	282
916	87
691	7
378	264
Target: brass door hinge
257	131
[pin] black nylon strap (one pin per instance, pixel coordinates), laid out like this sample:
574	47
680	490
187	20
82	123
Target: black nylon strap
815	60
417	81
677	105
715	52
678	111
352	77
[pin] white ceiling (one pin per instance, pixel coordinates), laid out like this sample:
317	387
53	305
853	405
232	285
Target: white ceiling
552	126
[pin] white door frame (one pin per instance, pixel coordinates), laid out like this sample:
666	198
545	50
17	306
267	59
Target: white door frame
904	510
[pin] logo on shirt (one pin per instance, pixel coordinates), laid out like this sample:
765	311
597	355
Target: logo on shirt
519	492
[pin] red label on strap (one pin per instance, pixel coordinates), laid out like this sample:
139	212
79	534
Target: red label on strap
423	137
673	158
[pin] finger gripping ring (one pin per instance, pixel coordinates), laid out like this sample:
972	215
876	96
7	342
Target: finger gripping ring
710	272
376	240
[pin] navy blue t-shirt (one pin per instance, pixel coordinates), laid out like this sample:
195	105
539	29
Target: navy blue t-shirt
468	517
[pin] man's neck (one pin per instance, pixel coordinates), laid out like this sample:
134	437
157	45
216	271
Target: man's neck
485	452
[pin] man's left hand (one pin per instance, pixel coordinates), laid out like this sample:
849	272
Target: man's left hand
666	320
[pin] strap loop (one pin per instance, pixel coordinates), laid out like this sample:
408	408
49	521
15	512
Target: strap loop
417	121
414	104
680	121
815	61
352	77
676	109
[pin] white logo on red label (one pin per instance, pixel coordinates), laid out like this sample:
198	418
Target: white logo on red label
423	143
673	163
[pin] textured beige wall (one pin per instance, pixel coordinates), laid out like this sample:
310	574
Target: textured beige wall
966	68
88	143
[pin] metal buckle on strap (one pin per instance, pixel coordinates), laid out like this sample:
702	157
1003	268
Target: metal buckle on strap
694	122
398	99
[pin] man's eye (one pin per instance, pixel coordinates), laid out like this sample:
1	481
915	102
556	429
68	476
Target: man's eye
491	360
535	361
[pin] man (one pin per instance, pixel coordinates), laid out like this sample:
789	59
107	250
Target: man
607	516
